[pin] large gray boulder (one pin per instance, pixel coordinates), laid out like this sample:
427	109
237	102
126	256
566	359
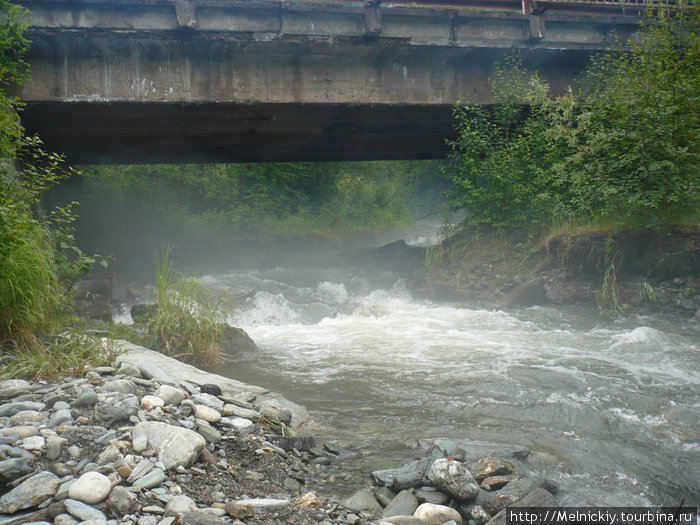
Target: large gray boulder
404	504
175	445
409	475
30	493
453	478
363	501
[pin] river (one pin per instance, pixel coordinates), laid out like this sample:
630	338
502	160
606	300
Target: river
609	409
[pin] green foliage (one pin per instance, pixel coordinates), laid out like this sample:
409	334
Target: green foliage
187	325
34	249
66	354
500	162
13	70
624	149
30	294
275	198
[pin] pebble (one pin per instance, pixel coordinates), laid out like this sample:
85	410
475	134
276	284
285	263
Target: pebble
90	488
245	413
22	431
263	503
150	480
437	514
210	434
237	422
65	519
83	511
179	504
26	416
208	400
174	445
151	402
33	443
208	414
86	399
170	395
60	417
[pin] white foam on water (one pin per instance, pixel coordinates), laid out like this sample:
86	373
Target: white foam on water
578	390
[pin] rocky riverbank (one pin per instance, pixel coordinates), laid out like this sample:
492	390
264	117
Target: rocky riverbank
634	272
133	444
453	483
151	441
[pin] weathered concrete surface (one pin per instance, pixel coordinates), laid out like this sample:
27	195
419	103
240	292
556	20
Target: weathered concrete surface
146	81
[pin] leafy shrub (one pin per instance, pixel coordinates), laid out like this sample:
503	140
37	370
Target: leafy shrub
625	148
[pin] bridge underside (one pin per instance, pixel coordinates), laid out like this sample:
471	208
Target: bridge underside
146	81
105	133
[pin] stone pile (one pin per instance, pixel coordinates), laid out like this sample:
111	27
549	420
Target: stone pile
114	447
453	485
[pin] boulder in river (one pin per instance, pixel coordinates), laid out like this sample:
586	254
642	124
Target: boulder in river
404	504
411	474
363	501
453	478
433	514
532	293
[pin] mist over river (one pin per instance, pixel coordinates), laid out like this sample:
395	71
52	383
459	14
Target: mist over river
610	409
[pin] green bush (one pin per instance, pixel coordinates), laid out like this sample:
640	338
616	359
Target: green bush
623	149
37	253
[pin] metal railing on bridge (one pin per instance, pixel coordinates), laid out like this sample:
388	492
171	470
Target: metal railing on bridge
616	7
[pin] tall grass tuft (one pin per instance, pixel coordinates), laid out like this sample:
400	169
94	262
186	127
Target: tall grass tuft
68	354
30	294
187	324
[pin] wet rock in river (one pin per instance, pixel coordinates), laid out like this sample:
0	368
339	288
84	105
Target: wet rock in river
453	478
363	501
409	475
437	514
491	466
404	504
431	495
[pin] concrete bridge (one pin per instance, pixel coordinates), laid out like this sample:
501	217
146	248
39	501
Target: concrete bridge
131	81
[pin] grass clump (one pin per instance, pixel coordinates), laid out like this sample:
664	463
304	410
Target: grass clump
66	354
30	294
187	323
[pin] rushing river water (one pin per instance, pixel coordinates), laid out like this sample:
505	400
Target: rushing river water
609	409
